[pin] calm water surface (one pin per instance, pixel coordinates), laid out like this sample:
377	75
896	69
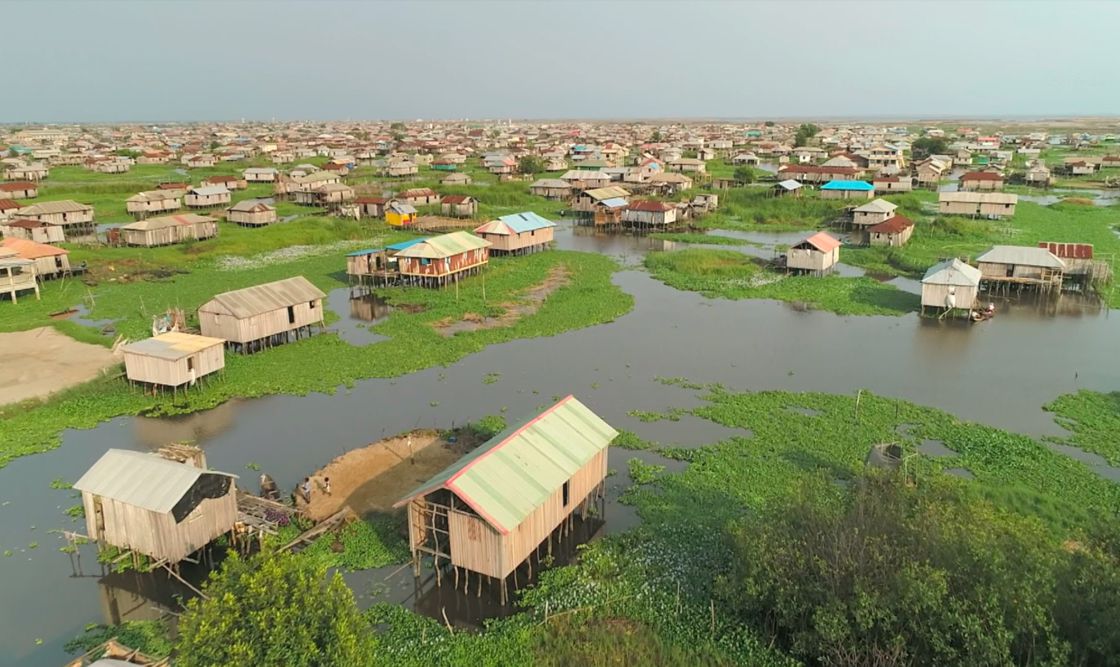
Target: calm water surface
1000	372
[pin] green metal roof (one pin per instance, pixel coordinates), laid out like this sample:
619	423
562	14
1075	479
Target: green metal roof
516	471
445	245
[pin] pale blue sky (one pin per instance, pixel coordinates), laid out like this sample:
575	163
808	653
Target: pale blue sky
163	60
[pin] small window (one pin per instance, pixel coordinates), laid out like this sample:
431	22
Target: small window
567	492
291	314
190	364
311	305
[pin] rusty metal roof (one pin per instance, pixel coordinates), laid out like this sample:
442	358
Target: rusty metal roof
516	471
264	298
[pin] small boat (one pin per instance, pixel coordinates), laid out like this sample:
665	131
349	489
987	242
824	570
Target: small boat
984	314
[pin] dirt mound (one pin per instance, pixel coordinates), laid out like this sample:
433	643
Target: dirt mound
372	478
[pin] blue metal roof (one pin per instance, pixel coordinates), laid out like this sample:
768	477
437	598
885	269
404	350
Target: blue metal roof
359	253
848	185
525	222
615	202
404	244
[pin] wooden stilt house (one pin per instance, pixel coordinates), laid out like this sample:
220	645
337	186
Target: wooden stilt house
496	506
149	505
517	233
17	275
173	359
439	260
949	286
263	314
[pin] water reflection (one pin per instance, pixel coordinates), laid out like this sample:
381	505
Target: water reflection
357	309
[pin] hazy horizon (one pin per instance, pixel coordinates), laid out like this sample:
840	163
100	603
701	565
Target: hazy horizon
108	62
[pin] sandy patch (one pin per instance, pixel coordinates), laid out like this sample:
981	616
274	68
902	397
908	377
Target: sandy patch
529	303
374	477
40	362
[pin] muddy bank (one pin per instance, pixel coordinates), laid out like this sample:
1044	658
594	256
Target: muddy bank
372	478
529	303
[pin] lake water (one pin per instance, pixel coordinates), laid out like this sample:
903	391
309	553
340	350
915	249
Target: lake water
1000	372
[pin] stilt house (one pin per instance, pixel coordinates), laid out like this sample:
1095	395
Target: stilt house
162	509
169	229
817	254
442	259
491	510
518	233
950	285
173	359
271	312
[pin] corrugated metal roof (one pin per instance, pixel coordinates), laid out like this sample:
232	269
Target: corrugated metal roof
397	247
615	202
789	184
264	298
28	249
1022	256
516	223
860	186
61	206
445	245
877	206
978	197
140	479
516	471
173	345
251	205
165	221
821	241
154	195
952	272
210	190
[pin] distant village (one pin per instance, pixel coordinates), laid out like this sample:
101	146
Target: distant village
430	198
614	177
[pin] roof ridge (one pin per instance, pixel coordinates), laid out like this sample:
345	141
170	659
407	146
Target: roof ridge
508	439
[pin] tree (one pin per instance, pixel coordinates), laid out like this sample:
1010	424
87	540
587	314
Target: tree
769	123
805	132
656	136
530	164
396	126
274	609
926	146
897	573
743	175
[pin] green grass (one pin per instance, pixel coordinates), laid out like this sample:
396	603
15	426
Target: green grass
656	583
733	275
937	237
702	239
755	209
413	343
1093	420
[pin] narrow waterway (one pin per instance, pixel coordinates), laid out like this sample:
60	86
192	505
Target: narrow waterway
1000	372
